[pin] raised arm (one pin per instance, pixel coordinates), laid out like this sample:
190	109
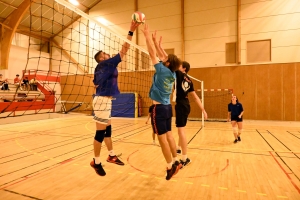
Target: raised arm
199	103
126	46
162	55
150	47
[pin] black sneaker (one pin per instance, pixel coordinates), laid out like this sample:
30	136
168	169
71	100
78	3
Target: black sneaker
178	165
178	151
239	138
187	161
98	168
114	159
174	170
235	141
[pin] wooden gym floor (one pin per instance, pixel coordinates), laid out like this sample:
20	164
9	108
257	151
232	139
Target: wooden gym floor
49	159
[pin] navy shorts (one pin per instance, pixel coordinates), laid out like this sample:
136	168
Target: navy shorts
162	118
153	129
236	118
182	113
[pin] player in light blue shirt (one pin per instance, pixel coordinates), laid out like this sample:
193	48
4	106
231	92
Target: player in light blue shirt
160	91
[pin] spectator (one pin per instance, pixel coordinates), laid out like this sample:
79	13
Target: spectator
3	83
25	83
33	84
17	81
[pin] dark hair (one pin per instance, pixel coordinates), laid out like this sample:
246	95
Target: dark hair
186	66
17	74
96	56
174	61
237	100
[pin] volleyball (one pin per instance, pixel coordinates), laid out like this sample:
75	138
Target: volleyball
138	17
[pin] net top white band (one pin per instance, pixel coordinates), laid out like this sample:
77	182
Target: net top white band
86	16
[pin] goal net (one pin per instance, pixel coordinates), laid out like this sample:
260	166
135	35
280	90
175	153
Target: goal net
215	102
61	47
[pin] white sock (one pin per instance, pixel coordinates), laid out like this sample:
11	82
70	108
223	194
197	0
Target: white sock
97	160
178	148
175	159
111	153
169	165
184	157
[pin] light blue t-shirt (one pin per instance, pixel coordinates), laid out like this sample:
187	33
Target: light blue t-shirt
162	84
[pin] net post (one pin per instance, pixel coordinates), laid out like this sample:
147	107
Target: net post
202	94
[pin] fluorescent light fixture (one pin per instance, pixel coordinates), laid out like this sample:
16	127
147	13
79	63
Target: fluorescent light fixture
74	2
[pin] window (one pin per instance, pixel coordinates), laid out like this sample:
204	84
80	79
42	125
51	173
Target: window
230	49
169	51
259	51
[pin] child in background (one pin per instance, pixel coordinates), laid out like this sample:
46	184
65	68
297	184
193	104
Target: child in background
150	116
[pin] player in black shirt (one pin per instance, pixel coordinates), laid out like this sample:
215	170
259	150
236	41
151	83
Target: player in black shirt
184	86
235	113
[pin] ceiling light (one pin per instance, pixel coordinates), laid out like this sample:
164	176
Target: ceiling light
74	2
103	21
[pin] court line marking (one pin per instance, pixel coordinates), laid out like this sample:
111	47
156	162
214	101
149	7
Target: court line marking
261	194
285	172
142	175
24	195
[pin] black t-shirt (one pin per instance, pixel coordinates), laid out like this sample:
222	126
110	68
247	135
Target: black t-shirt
184	85
25	81
235	109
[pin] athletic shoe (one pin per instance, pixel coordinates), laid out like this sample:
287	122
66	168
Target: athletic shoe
187	161
178	151
173	171
98	168
114	159
178	165
239	138
235	141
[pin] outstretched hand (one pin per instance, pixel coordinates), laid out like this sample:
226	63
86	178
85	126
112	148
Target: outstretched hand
146	30
134	25
159	43
154	36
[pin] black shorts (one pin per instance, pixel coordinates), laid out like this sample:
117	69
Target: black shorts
153	128
161	118
236	118
182	113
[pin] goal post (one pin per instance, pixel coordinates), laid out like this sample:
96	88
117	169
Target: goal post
214	101
194	114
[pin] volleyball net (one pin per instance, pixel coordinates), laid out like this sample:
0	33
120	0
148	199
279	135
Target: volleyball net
60	59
